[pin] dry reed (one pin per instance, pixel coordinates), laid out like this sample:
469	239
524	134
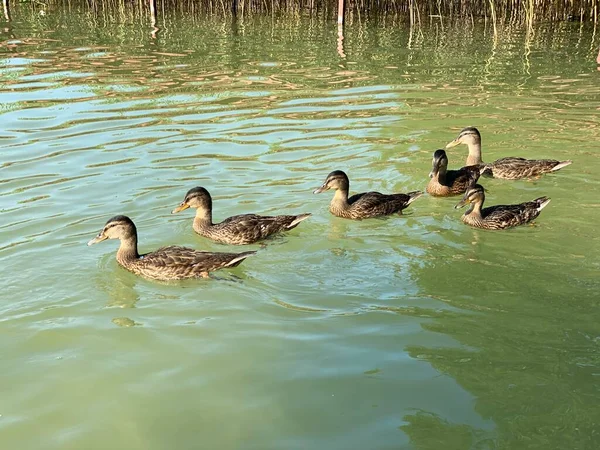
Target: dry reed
526	12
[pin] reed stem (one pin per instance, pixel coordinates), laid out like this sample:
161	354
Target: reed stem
500	12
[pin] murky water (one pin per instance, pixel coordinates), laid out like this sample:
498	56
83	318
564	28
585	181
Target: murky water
414	332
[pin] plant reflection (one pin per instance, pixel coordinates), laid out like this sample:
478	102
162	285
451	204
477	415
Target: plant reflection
530	361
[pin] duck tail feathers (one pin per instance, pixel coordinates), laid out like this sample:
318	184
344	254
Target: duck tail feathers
560	165
299	218
413	196
542	202
239	258
486	170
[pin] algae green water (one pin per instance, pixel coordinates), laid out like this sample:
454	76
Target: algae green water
413	332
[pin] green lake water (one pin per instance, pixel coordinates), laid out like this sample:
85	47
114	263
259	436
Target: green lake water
413	332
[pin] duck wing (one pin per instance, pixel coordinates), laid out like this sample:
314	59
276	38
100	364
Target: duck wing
253	227
176	262
513	168
505	216
460	180
373	204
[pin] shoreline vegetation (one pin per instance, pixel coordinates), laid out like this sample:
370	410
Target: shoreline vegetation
496	12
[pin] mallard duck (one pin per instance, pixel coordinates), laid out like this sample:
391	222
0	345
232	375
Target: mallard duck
166	263
511	168
365	205
237	230
498	217
445	183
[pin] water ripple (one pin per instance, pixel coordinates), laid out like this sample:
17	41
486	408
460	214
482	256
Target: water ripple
374	318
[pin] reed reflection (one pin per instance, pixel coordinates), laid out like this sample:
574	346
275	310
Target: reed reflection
527	359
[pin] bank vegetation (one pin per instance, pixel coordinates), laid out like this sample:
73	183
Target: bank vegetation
415	11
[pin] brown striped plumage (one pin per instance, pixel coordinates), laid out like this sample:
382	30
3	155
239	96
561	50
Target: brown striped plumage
510	168
236	230
166	263
444	182
365	205
498	217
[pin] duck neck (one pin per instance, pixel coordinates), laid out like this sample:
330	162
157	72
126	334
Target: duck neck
475	211
474	154
203	218
440	175
128	251
340	199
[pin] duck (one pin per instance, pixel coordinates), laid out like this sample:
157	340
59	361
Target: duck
362	206
166	263
444	182
498	217
510	168
237	230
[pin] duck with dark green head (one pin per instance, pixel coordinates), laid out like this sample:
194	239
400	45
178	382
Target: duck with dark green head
237	230
498	217
166	263
365	205
510	168
444	182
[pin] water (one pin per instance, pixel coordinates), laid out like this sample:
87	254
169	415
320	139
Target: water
414	332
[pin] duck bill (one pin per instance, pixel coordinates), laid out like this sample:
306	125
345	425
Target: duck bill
320	189
454	143
97	239
462	203
180	208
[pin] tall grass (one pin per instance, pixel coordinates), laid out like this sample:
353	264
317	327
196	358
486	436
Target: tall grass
495	11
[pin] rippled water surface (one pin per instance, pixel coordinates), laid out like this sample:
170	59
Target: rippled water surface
414	332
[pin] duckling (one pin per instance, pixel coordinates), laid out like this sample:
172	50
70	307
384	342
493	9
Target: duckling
236	230
445	183
511	168
365	205
166	263
498	217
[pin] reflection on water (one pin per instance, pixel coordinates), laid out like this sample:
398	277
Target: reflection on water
120	292
410	332
527	363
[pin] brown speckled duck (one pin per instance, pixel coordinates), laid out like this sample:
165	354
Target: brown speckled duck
365	205
444	182
236	230
166	263
511	168
498	217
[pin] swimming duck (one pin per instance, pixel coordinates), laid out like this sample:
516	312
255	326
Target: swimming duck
166	263
498	217
237	230
511	168
445	183
365	205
